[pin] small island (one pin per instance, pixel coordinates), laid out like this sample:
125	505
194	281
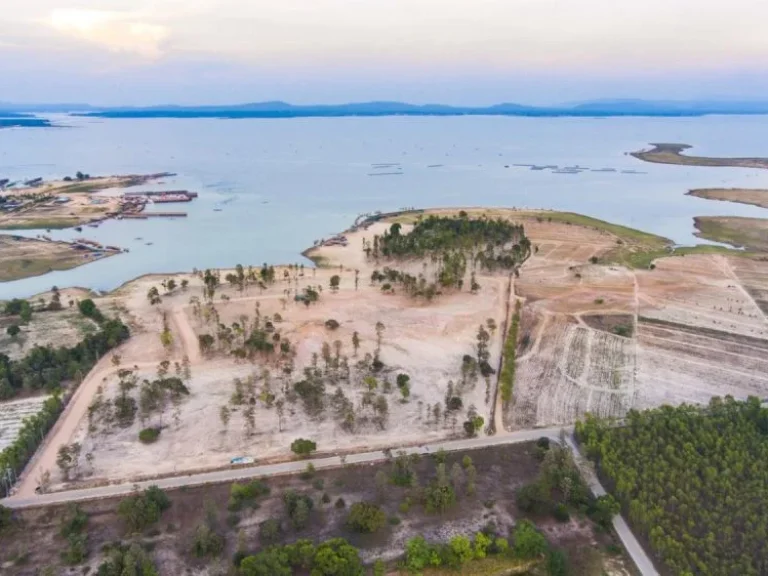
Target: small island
22	257
751	196
668	153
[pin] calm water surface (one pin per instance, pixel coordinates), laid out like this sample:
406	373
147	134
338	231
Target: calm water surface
269	188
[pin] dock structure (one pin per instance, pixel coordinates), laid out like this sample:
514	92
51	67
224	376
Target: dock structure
145	215
165	195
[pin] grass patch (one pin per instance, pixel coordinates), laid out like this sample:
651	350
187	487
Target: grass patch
751	233
40	224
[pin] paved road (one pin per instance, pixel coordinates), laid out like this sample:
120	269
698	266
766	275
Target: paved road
636	552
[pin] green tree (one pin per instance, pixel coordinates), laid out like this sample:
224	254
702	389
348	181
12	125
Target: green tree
528	542
366	517
335	281
141	510
13	330
303	447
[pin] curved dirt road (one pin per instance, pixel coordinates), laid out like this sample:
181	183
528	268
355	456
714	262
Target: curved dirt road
77	408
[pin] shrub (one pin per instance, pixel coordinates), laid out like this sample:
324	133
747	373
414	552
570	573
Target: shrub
297	507
207	542
303	447
141	510
624	330
241	494
528	542
149	435
331	324
439	498
560	512
89	309
270	531
340	503
13	330
6	519
557	563
365	517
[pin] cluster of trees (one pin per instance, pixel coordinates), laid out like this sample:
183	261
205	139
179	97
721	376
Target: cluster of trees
154	397
46	368
507	376
692	481
491	243
143	509
334	557
127	559
559	488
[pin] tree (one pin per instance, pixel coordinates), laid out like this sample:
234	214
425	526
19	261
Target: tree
298	508
141	510
528	543
205	342
605	508
355	341
303	447
365	517
13	330
335	281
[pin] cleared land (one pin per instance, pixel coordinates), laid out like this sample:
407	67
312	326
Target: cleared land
749	233
48	328
752	196
667	153
603	339
25	257
425	341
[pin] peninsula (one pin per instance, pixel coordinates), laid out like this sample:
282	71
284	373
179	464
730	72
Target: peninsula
665	153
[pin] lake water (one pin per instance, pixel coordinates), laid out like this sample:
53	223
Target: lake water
269	188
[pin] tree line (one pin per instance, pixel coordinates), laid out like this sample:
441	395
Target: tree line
693	482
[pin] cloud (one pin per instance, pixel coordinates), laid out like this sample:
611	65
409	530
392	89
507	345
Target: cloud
116	31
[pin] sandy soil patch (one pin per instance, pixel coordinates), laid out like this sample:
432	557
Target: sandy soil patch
755	197
25	257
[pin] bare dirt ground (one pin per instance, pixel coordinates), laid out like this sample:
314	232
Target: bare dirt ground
696	330
49	328
424	341
25	257
500	472
753	196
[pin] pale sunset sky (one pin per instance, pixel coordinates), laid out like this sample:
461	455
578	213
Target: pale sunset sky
135	52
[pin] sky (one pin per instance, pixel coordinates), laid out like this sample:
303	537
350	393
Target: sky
470	52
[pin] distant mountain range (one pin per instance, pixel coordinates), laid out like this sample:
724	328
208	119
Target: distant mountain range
278	109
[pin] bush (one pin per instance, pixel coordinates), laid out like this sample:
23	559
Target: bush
332	324
298	508
207	542
270	531
89	309
557	563
149	435
6	519
141	510
303	447
13	330
365	517
240	494
528	542
340	503
561	514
